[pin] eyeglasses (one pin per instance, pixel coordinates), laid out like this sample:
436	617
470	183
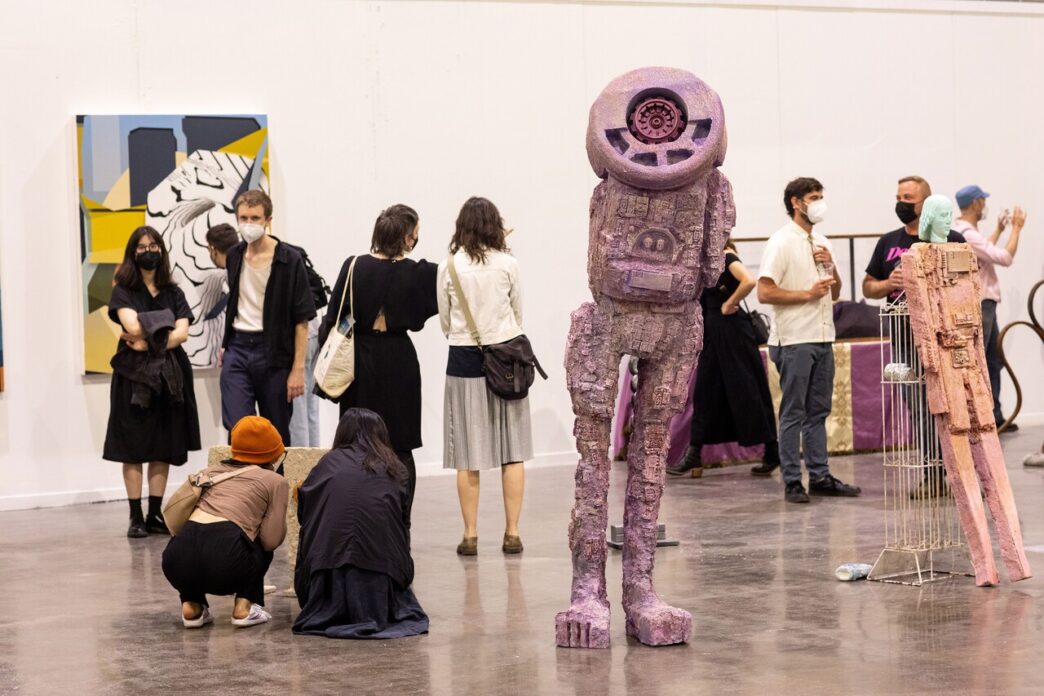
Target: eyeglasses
142	248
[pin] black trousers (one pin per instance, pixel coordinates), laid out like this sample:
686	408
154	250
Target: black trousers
406	457
217	559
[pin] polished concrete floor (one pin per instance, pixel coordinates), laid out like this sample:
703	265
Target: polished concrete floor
84	610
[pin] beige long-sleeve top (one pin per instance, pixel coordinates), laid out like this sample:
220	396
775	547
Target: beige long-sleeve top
494	293
255	501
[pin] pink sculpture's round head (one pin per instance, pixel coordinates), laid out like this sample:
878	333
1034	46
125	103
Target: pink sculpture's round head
656	128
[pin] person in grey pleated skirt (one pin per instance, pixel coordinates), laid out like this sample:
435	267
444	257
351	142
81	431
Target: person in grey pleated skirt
480	304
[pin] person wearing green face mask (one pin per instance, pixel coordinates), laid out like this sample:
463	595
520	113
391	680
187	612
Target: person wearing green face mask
884	279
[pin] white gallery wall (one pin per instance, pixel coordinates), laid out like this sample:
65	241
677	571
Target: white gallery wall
427	103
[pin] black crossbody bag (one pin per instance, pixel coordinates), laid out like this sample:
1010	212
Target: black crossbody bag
509	367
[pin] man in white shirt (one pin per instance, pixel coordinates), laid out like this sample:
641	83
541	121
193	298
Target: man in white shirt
799	279
972	202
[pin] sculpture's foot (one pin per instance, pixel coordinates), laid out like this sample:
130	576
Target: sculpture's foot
584	625
657	623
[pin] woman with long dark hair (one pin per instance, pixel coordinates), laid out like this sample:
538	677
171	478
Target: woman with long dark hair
392	295
354	568
482	430
731	400
152	413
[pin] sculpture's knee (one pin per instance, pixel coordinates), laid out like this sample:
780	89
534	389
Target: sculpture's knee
590	375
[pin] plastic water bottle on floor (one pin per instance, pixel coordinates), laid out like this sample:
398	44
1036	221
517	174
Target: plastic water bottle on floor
847	572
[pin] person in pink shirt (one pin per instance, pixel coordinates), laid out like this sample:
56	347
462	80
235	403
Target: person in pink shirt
972	202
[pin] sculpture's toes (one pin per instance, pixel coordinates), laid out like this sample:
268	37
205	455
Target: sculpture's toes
659	624
585	627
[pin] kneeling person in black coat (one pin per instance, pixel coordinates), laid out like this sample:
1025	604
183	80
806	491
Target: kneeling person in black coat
354	568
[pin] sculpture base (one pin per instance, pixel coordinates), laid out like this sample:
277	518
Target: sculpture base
616	537
919	566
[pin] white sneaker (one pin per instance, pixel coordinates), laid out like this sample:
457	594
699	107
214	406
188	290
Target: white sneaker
203	619
256	616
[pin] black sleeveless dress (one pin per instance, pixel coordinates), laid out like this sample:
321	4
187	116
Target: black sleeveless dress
387	373
731	400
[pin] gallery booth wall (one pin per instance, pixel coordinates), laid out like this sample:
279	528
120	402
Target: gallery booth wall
428	103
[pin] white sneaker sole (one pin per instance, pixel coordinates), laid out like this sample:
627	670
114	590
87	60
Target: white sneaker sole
206	618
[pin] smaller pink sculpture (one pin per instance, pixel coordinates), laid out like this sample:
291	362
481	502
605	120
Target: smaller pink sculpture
659	218
942	291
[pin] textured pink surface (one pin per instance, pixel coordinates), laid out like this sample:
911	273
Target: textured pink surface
658	224
942	290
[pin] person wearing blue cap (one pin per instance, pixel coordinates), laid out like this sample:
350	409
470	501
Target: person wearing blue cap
972	202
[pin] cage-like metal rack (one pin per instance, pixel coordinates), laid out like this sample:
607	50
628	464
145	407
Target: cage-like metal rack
923	540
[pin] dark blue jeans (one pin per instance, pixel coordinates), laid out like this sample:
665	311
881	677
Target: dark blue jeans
990	334
250	387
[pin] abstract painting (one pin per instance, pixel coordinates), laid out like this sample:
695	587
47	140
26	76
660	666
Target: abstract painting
180	175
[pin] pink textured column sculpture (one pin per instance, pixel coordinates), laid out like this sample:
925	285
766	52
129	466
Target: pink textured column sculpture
659	219
942	290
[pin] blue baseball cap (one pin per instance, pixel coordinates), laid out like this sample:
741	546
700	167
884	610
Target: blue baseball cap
968	195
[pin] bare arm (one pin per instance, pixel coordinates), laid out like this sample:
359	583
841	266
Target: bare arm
295	382
1018	219
129	320
179	335
746	285
770	293
874	289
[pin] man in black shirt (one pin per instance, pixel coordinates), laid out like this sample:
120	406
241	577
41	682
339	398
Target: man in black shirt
883	276
884	280
266	323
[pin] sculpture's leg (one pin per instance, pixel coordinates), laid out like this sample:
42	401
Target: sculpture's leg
592	376
661	395
993	475
960	473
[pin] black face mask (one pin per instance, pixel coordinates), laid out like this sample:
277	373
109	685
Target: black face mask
905	211
148	261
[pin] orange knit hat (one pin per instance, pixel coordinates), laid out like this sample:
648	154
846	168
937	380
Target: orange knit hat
256	441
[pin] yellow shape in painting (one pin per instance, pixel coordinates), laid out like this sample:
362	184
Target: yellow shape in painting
248	145
110	230
100	337
118	197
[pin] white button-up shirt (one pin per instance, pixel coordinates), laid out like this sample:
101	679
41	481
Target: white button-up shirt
789	264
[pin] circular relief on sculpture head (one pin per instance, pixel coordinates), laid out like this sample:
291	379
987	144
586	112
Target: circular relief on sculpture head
656	118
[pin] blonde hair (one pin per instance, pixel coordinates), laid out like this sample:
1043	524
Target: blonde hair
926	189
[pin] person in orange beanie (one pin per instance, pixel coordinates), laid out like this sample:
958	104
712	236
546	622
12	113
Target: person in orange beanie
227	545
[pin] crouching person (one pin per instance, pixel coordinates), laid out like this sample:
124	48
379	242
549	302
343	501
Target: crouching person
226	546
354	568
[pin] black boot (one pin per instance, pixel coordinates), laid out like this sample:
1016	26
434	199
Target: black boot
154	522
691	463
136	530
769	462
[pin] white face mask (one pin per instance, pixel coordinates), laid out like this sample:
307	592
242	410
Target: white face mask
985	212
816	211
251	232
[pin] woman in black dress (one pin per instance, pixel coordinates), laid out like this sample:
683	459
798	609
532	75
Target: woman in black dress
730	398
354	569
392	295
152	414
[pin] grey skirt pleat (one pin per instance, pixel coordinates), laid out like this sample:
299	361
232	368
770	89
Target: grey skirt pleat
481	430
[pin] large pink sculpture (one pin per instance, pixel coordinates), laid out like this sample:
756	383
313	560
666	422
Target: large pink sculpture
659	219
942	291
